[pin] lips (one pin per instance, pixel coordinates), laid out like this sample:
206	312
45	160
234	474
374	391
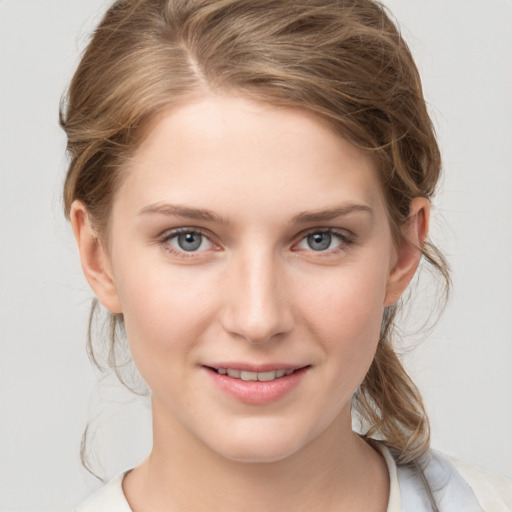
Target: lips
256	385
254	376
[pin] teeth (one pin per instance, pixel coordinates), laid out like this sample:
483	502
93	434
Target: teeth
254	376
266	376
248	375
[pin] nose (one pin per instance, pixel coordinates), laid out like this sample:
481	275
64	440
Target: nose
258	308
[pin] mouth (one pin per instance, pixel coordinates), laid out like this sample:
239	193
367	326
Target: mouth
245	375
256	385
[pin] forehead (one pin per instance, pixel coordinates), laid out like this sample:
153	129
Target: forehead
228	152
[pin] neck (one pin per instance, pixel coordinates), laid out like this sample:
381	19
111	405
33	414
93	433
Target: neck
332	472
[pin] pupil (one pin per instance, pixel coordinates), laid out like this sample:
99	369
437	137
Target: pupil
189	241
319	241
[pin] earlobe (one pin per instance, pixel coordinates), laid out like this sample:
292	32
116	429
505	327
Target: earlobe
414	234
93	257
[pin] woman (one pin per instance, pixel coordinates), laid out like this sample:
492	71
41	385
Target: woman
249	189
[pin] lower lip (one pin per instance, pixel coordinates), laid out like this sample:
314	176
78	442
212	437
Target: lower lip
257	392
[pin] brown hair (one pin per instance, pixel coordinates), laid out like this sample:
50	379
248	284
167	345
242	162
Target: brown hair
344	60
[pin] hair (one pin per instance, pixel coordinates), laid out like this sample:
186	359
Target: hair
343	60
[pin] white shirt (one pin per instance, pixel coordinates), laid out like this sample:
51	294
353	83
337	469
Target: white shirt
454	486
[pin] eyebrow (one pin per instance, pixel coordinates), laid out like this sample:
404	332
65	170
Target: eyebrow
176	210
330	213
307	216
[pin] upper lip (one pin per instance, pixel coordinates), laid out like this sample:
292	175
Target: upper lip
257	368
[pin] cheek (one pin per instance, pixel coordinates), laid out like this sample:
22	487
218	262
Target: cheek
345	312
165	311
350	297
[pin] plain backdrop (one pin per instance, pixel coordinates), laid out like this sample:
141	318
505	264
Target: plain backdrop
49	390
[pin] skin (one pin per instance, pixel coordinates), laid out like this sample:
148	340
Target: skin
255	291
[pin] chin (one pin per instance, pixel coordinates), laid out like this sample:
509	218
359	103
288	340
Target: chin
260	446
258	455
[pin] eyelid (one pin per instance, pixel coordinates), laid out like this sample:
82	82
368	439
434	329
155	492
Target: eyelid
164	239
348	238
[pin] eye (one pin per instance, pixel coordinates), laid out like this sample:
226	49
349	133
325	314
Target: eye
324	240
319	241
188	241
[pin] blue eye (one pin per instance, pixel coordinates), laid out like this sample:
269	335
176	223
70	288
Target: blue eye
324	240
319	241
189	241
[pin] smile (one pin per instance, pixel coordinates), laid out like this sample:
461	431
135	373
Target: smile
245	384
253	376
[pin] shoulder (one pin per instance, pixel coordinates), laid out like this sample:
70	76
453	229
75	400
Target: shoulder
108	499
494	492
435	480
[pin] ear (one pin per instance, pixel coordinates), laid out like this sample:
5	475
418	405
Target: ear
414	233
94	258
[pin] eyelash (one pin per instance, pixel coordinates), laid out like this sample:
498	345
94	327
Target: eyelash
346	238
166	238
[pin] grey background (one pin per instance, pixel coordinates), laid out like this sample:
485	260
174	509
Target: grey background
49	390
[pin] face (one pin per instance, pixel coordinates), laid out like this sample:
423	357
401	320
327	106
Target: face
252	258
